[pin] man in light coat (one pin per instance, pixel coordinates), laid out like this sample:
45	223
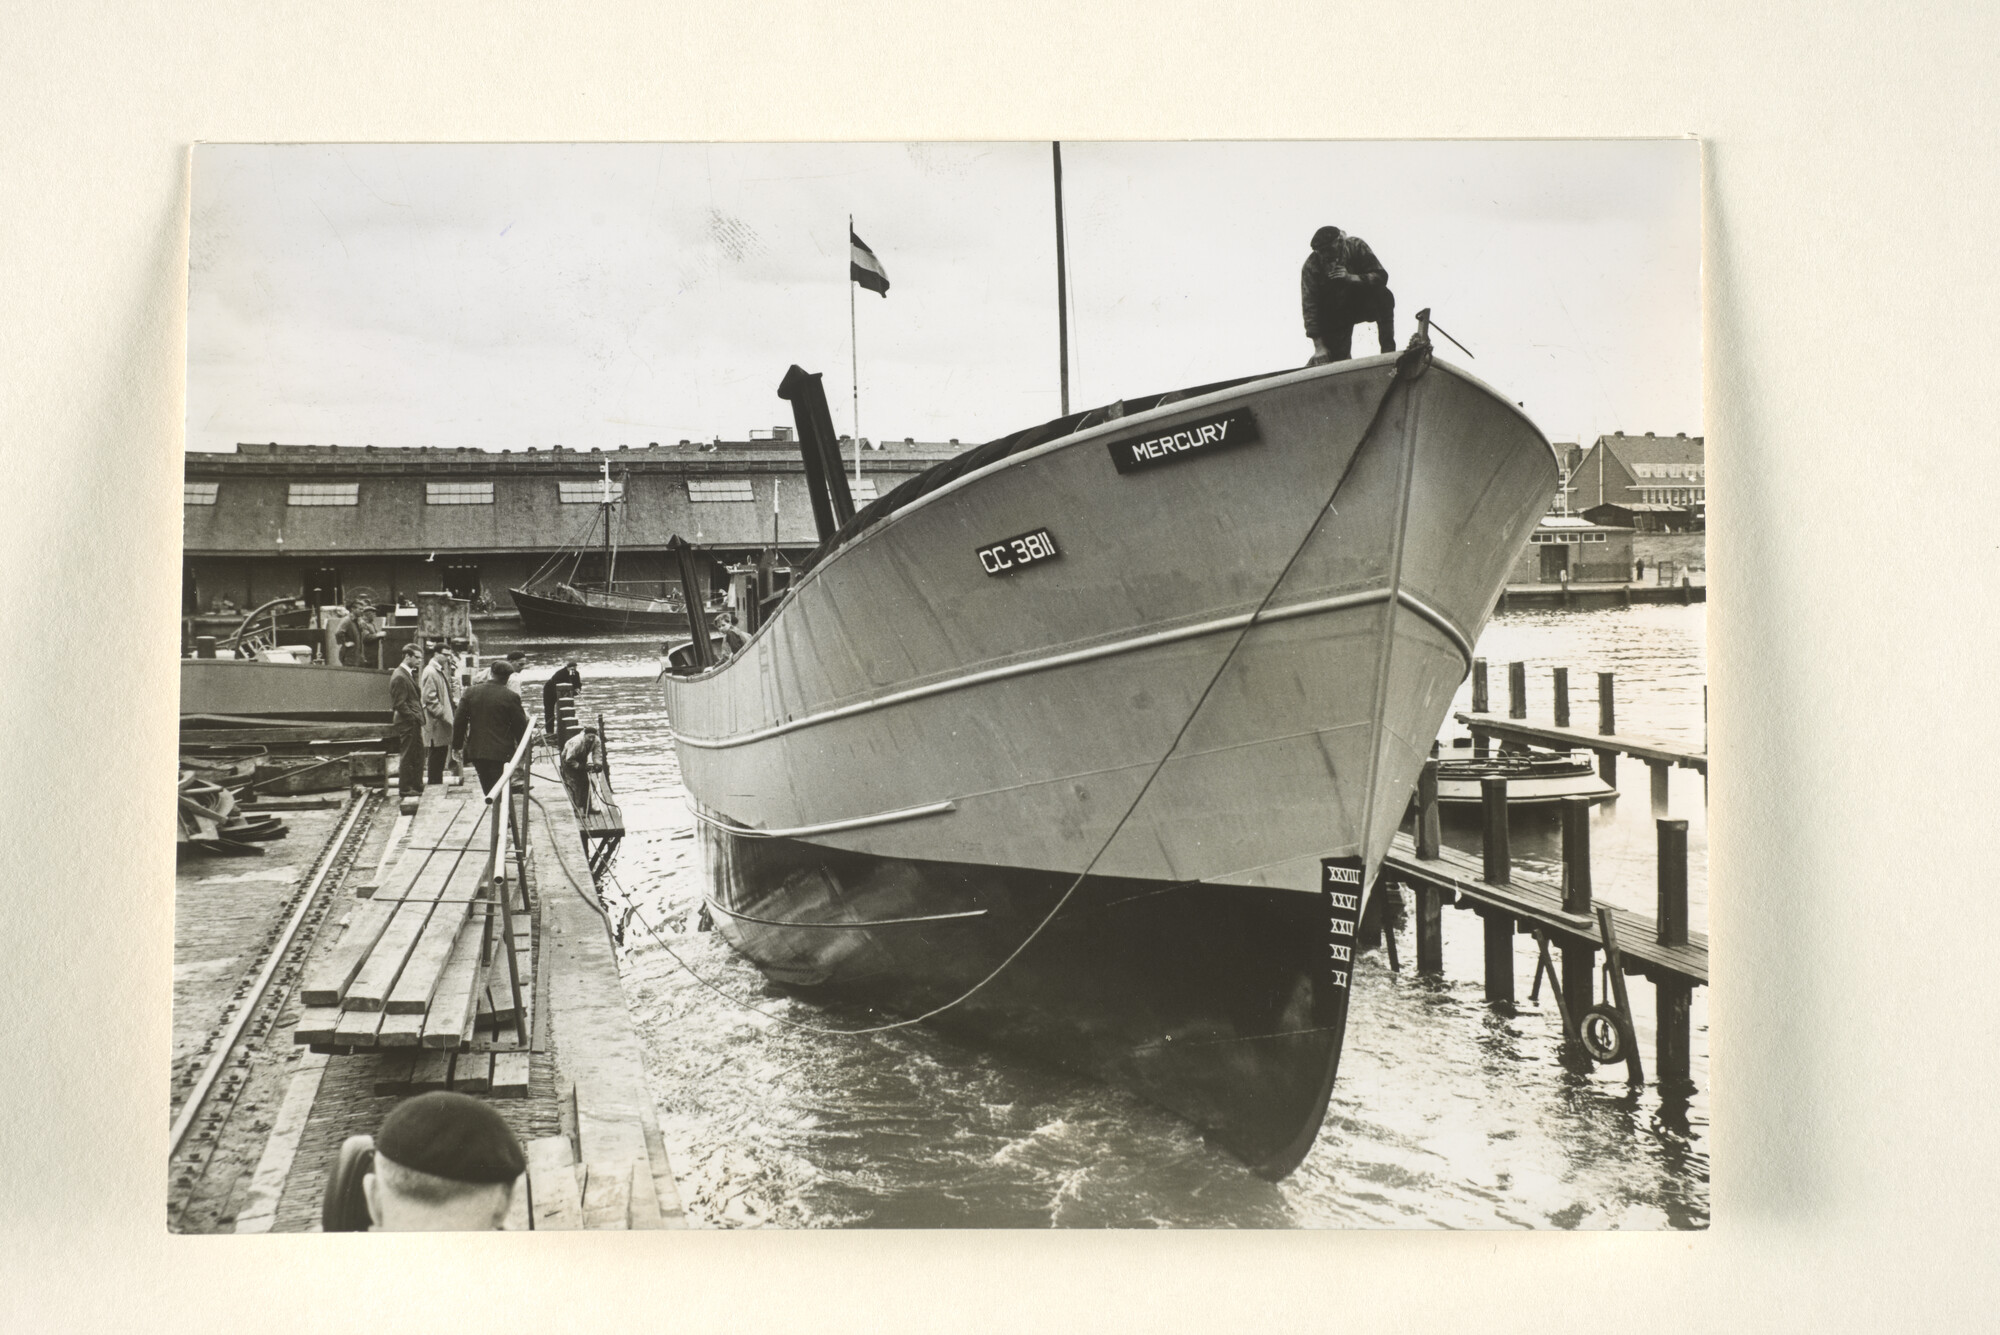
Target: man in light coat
439	707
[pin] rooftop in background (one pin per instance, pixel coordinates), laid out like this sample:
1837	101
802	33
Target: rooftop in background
695	455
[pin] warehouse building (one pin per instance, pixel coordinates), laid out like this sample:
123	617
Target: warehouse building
319	521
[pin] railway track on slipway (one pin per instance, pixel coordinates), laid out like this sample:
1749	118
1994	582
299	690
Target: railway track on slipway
206	1102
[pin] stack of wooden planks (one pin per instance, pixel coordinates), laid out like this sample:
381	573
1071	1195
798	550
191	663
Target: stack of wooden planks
420	963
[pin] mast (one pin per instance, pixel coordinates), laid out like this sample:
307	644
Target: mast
1062	284
610	556
854	359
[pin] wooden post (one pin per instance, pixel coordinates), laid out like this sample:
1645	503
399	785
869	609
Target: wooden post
1607	725
1493	840
1499	955
1635	1069
1482	743
1673	837
1429	831
1562	697
1579	959
1671	1050
204	646
1479	686
1430	930
1659	770
1517	690
1498	870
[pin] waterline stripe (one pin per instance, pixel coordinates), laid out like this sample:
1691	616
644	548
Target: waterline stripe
830	827
1337	603
879	922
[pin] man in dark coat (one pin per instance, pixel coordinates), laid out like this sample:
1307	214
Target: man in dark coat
566	675
1342	285
406	704
489	725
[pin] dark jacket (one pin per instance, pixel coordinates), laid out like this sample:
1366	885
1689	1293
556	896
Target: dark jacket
1327	292
490	723
405	701
561	676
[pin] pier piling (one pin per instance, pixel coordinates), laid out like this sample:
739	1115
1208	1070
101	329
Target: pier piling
1659	770
1429	924
1607	725
1579	961
1562	697
1498	870
1493	837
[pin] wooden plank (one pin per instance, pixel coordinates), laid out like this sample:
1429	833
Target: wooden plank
607	1195
450	1020
316	1024
517	1220
384	965
645	1211
510	1075
431	1071
390	848
328	977
459	835
1572	739
1540	903
393	1075
399	1031
471	1072
554	1201
433	949
357	1029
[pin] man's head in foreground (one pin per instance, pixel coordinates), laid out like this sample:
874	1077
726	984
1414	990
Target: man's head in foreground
442	1162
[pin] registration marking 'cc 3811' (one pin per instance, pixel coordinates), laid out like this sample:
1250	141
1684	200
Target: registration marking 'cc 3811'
1010	554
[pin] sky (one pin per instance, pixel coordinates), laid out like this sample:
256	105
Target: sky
503	296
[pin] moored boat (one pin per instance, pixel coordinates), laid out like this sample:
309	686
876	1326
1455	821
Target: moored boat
1090	741
567	607
1533	777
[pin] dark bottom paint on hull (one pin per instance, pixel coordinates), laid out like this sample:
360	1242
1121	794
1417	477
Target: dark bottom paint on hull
1213	1002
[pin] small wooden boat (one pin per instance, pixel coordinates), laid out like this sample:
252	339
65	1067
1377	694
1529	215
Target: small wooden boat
1532	777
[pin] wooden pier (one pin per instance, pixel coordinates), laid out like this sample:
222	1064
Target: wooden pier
467	951
1561	915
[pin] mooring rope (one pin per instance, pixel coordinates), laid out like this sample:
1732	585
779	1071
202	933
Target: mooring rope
1411	363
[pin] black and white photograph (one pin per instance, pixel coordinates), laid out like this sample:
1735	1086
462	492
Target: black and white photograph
943	685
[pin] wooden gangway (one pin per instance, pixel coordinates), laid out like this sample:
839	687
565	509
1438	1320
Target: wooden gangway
435	967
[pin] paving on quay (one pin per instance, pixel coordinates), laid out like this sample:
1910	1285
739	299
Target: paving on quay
260	1147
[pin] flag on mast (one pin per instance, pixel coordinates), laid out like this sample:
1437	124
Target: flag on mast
864	268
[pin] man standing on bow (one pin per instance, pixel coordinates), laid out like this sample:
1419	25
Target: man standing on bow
1342	285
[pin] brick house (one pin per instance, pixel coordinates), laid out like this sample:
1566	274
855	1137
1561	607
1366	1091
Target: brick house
1653	484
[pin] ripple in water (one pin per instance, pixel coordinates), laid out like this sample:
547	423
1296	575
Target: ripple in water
1447	1113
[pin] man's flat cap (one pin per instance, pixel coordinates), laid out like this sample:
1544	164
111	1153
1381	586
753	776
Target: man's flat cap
451	1136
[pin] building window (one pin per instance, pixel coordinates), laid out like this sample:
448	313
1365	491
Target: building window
458	493
588	493
198	493
1593	537
720	489
323	493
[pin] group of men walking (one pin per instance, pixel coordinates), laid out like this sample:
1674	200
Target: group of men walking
434	720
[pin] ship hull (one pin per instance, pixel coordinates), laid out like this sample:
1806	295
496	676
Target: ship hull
1141	752
542	615
246	688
